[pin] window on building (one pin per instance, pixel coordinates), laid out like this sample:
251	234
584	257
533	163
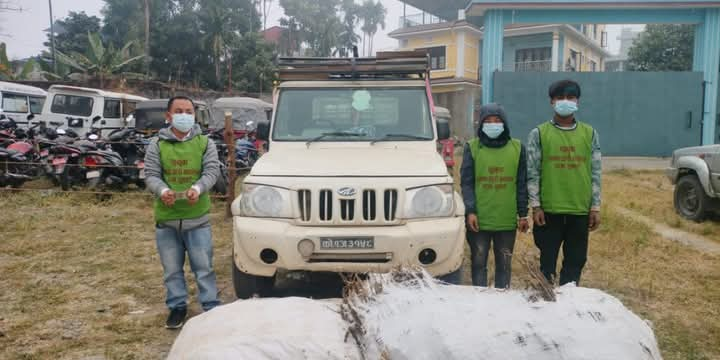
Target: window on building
535	59
437	57
594	31
573	61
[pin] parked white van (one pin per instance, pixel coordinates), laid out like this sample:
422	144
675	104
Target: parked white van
17	101
77	107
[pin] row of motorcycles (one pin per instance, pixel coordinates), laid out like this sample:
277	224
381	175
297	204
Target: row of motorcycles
72	161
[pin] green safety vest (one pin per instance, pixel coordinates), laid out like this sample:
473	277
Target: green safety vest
496	184
182	167
566	175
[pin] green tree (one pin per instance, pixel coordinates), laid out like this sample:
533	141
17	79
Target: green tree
7	71
348	37
663	47
252	63
318	24
373	16
71	32
101	61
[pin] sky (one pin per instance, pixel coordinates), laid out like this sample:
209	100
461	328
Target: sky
23	31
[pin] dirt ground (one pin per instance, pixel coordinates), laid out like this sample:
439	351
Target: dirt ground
81	278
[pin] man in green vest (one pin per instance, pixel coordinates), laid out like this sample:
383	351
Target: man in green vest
181	166
493	181
564	180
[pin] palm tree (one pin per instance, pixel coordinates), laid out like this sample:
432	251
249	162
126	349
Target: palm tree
100	61
216	23
348	38
373	15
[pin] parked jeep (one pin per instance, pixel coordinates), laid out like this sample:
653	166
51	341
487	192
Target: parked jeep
695	172
352	181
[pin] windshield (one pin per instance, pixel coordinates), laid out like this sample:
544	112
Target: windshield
72	105
371	113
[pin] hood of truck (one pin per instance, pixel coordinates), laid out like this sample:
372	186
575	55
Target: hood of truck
365	162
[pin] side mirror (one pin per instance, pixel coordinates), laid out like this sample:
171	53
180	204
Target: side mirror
443	129
263	130
30	116
96	119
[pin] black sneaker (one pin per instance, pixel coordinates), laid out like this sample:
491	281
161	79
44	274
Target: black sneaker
176	319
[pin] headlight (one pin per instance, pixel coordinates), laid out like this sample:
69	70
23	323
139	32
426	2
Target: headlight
430	201
264	201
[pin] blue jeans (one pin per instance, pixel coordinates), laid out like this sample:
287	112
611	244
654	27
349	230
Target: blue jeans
172	246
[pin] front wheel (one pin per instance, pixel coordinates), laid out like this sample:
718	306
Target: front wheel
690	200
247	285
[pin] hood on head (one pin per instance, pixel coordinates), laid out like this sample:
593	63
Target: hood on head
496	110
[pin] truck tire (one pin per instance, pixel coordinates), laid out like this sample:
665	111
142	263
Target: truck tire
690	200
454	277
246	285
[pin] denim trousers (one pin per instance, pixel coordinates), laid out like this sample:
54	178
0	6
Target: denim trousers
502	243
172	245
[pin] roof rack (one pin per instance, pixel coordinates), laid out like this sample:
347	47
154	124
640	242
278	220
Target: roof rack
391	65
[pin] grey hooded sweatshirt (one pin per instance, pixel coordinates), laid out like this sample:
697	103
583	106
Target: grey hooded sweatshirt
154	172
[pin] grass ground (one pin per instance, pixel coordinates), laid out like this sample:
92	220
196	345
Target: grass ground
81	278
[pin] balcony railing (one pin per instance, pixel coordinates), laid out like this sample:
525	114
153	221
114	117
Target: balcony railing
419	19
524	66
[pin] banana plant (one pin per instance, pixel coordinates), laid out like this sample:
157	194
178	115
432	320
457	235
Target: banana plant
101	61
6	69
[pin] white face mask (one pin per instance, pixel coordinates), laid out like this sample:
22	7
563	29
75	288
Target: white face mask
493	131
183	122
565	107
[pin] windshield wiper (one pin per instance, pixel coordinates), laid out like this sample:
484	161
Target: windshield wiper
401	136
336	133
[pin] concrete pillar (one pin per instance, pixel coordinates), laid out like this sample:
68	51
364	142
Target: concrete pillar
711	64
491	52
460	54
555	51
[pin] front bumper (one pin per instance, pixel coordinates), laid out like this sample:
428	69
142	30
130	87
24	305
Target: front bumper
397	245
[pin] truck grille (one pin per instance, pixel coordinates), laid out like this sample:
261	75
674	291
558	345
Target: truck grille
365	208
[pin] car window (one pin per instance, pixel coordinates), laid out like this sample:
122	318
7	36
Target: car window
14	103
36	104
111	109
72	105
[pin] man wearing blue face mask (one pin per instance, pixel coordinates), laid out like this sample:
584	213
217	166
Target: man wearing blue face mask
181	166
564	181
493	181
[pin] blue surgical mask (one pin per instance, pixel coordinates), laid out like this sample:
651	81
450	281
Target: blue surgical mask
565	107
183	122
493	130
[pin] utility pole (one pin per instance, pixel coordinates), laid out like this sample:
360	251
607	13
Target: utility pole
52	37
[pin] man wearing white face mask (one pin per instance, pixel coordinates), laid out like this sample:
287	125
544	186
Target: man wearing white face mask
493	181
181	166
564	181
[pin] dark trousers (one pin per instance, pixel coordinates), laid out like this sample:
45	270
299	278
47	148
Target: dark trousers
570	232
502	243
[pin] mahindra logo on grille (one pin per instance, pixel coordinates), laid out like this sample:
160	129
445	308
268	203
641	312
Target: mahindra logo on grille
346	191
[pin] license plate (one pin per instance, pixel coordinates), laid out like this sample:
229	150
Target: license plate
141	174
92	174
59	161
347	243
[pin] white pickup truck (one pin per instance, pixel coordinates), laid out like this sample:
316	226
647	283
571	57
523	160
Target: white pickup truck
695	172
352	181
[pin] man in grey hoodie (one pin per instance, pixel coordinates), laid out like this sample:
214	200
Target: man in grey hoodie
494	188
181	166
